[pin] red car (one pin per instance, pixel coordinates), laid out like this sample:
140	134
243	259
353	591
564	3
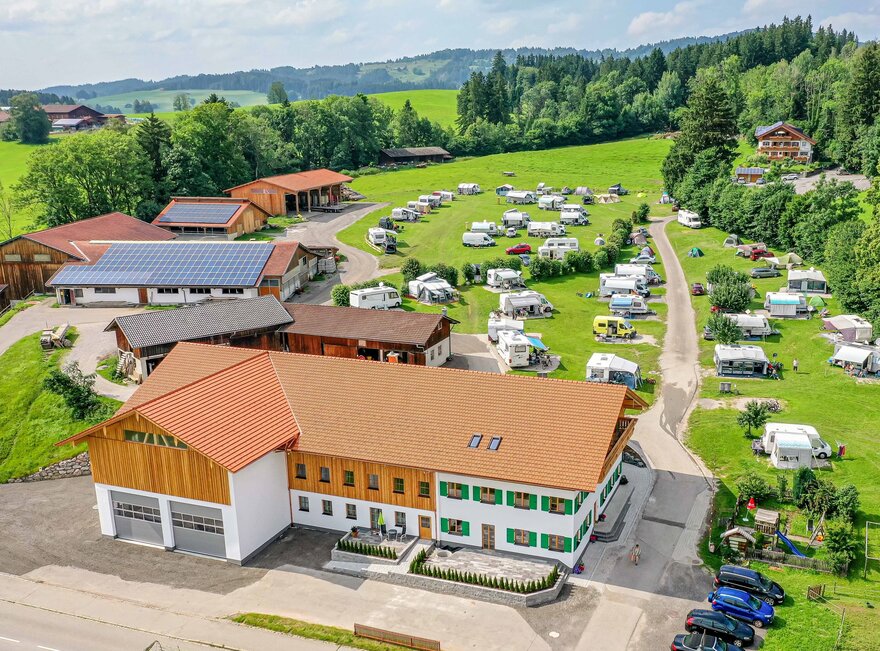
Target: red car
697	289
522	247
757	254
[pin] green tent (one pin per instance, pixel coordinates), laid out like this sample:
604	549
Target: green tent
695	252
817	301
789	258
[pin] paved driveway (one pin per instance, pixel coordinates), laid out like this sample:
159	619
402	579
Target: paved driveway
805	184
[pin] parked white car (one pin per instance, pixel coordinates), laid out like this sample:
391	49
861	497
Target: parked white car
643	258
791	177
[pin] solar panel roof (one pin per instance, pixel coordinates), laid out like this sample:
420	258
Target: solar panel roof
172	264
200	213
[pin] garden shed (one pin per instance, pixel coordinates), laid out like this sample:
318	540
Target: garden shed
767	521
739	538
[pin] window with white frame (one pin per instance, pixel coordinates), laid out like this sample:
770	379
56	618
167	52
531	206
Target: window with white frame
303	503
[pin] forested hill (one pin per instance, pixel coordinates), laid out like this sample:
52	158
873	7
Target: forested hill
442	69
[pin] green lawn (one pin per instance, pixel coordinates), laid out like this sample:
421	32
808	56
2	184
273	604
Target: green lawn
436	105
32	420
438	237
337	636
162	100
13	163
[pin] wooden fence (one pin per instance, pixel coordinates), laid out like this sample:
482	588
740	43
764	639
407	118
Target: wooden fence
411	641
781	558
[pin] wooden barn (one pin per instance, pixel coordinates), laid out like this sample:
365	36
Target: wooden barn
74	112
211	217
28	261
380	335
143	340
293	193
4	298
413	155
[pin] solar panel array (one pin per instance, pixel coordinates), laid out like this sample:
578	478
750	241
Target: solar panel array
200	213
172	264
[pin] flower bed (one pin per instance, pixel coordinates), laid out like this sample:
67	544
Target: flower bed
419	566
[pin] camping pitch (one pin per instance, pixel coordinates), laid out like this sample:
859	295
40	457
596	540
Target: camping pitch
695	252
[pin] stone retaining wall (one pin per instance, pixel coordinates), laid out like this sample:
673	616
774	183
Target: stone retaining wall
73	467
353	557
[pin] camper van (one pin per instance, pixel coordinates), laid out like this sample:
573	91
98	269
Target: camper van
477	239
405	215
555	248
545	229
375	298
514	348
821	450
645	271
629	305
573	214
690	219
504	278
550	202
484	227
384	239
610	284
432	199
613	327
514	218
497	324
521	196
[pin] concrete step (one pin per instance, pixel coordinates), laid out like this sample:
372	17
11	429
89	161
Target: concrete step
613	532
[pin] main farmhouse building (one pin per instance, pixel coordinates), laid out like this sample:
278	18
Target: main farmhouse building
222	449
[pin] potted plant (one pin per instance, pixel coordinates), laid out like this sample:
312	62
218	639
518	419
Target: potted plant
355	532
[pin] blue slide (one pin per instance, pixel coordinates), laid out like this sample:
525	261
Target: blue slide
790	545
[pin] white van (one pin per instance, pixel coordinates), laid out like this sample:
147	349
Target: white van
611	285
555	248
690	219
477	239
375	298
514	218
513	347
484	227
821	450
574	215
546	229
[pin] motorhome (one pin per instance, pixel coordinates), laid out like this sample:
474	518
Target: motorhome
514	218
613	327
555	248
821	450
432	199
690	219
497	324
375	298
752	325
645	271
477	239
629	305
527	304
504	278
550	202
574	214
611	284
484	227
545	229
514	348
521	196
405	215
469	188
383	238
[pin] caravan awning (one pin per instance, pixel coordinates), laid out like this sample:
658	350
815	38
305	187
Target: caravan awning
852	355
537	343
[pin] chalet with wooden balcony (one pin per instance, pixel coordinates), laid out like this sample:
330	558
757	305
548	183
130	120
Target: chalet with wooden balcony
783	140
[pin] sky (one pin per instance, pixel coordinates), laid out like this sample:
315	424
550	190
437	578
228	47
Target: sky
49	42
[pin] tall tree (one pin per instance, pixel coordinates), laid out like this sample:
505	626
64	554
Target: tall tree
29	120
7	225
154	137
277	94
181	102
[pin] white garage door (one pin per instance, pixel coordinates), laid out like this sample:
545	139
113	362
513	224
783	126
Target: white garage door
198	529
137	518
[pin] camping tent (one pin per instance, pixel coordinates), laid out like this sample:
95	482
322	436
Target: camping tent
732	240
786	259
817	301
599	241
607	198
695	252
665	198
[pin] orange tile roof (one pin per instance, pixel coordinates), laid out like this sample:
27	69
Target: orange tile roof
114	226
301	181
283	253
561	439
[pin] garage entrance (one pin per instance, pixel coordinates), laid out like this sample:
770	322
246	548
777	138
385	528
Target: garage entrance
198	529
137	518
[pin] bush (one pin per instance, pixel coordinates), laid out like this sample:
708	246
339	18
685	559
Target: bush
579	261
723	330
752	485
600	258
840	544
640	215
730	296
621	226
846	502
722	274
411	268
445	271
541	269
77	390
468	272
804	480
339	295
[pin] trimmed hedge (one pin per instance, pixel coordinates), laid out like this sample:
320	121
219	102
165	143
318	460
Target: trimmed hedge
419	566
358	547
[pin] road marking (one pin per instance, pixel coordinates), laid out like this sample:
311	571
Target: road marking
8	639
47	648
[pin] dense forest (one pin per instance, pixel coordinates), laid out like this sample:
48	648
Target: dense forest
6	95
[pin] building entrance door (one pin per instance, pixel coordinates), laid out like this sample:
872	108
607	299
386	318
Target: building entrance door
488	536
374	518
425	530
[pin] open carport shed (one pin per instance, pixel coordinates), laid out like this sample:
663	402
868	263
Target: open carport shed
293	193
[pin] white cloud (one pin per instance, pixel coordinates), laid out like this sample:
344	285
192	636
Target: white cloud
774	6
660	25
501	25
866	25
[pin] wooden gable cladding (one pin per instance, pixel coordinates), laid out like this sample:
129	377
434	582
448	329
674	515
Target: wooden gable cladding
22	271
267	196
362	471
154	468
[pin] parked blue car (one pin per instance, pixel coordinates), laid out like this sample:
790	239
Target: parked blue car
742	605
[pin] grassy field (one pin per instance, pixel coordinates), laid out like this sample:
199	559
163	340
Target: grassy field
32	419
842	409
436	105
337	636
162	100
13	163
438	237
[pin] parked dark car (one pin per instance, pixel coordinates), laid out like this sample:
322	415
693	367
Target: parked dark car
722	626
742	605
526	259
753	582
697	289
697	642
764	272
516	249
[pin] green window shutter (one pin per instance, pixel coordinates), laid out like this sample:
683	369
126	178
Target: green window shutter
465	528
589	518
545	541
443	489
533	501
510	536
509	498
464	491
444	525
476	493
533	539
545	503
566	544
568	507
499	496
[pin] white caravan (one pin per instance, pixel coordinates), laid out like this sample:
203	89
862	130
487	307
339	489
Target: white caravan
514	348
627	305
497	324
375	298
477	239
521	196
504	278
555	248
405	215
574	214
645	271
611	284
469	188
690	219
821	450
484	227
551	202
527	304
432	199
514	218
545	229
381	236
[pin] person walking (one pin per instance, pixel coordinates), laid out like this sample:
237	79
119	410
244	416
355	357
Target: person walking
794	365
635	554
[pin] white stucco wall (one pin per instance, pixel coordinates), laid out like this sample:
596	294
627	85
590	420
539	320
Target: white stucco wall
314	517
441	351
260	503
122	295
185	296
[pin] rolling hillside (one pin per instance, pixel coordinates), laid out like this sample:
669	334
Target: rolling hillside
162	99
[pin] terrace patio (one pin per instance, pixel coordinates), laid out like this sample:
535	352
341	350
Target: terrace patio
491	563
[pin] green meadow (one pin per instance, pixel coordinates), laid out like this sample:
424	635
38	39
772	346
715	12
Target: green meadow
436	105
13	163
